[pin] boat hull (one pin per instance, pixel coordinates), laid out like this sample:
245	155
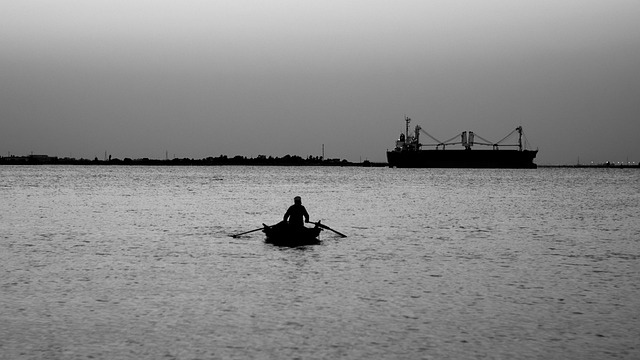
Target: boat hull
284	235
497	159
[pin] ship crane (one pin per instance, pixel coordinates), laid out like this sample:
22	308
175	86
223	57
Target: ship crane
496	145
451	142
438	142
444	144
486	142
466	139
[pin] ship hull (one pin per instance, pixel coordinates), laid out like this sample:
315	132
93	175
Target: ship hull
496	159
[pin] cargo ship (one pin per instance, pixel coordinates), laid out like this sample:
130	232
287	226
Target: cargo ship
409	152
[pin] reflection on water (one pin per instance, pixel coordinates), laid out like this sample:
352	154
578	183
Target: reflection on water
137	262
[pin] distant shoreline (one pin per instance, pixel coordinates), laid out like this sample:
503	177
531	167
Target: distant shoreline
261	160
595	166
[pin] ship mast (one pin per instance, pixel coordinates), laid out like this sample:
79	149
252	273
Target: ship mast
519	128
406	132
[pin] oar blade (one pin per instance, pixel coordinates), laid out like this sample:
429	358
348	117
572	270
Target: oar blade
235	236
264	226
328	228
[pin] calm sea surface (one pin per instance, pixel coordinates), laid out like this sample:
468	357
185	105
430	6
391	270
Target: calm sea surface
137	262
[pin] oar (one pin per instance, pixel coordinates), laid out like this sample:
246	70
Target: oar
247	232
328	228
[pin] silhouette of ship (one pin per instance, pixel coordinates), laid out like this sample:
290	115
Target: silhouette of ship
408	152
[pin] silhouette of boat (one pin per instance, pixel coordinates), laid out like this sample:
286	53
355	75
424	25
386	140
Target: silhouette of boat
408	152
282	234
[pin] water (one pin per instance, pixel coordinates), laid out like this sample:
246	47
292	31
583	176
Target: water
137	262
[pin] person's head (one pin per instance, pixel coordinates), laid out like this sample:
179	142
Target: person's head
297	200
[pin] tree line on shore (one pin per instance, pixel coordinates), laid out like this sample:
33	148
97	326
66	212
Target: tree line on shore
288	160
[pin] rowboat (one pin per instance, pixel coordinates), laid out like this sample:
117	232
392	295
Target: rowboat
282	234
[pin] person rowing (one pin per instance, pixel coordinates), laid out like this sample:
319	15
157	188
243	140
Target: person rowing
297	215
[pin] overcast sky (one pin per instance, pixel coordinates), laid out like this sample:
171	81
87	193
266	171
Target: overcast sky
249	77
